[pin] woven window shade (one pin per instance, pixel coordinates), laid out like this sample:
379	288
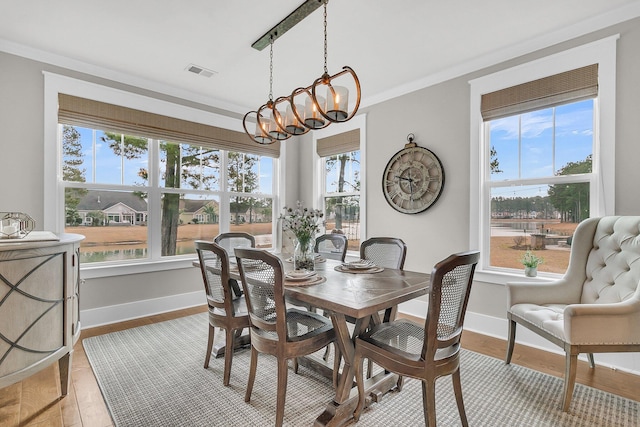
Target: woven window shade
340	143
570	86
83	112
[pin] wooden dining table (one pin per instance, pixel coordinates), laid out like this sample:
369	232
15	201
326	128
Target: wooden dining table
360	296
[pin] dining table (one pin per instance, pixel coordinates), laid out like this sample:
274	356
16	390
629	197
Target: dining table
355	296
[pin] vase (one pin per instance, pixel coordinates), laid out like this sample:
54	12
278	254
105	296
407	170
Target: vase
303	254
531	271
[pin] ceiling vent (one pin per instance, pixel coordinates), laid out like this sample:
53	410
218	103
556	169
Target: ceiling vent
196	69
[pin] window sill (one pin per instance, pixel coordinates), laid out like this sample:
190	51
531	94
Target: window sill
499	277
134	267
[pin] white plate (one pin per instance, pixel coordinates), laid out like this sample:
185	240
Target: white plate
299	276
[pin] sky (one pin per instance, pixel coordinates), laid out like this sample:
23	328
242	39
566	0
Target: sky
534	156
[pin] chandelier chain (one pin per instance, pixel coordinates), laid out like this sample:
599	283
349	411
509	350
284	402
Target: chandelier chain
325	37
271	69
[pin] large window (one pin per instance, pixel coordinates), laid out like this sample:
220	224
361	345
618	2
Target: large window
111	187
143	178
543	154
541	169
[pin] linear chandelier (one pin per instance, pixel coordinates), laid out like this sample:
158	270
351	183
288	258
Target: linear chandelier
305	109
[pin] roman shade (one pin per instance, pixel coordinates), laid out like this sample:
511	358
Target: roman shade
84	112
570	86
341	143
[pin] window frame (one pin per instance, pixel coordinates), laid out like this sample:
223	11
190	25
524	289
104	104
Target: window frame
54	186
602	184
319	173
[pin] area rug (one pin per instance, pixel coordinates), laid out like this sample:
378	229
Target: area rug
153	376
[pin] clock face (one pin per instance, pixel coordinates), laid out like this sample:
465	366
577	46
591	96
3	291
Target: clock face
413	180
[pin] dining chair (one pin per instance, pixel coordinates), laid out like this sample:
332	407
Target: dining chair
332	246
225	311
428	351
286	333
230	241
386	252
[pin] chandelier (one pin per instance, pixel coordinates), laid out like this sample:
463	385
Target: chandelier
305	109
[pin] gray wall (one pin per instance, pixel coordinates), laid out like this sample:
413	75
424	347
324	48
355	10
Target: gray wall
437	115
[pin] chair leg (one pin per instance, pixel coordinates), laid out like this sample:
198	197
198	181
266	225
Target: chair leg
592	363
295	365
571	364
228	355
358	361
511	340
326	353
252	374
212	331
282	390
429	402
336	366
457	389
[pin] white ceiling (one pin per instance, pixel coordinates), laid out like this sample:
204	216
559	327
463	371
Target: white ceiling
394	47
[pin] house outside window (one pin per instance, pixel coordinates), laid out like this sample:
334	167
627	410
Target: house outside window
543	153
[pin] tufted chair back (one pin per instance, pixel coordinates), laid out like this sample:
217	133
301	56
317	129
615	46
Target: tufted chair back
613	263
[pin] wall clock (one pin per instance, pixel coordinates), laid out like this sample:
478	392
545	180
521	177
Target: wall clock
413	179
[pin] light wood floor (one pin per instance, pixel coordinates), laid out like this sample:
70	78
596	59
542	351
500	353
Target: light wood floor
36	402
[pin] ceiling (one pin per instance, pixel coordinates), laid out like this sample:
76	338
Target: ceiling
394	47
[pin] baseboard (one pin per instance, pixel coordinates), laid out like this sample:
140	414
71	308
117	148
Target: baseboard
134	310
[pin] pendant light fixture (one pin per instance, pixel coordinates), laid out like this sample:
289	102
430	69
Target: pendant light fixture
305	108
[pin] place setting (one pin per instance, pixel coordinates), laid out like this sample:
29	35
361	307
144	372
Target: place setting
318	258
359	266
302	278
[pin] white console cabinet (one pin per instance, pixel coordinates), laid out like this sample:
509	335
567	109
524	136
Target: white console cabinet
39	307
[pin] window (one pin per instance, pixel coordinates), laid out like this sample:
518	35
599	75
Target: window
109	194
142	182
339	183
544	155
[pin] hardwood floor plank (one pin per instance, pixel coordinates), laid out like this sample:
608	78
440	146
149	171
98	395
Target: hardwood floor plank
40	400
10	398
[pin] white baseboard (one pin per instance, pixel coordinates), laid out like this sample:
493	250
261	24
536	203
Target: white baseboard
134	310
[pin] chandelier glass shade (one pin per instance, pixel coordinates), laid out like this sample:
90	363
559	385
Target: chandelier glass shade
316	106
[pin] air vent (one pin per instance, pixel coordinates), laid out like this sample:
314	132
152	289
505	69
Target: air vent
196	69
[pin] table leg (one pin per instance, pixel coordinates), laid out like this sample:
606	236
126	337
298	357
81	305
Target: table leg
219	345
340	410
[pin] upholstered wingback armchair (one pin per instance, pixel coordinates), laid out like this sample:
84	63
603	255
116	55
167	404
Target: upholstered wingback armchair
595	307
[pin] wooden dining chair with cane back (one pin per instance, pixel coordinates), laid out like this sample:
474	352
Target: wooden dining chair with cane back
230	241
332	246
226	311
286	333
386	252
428	351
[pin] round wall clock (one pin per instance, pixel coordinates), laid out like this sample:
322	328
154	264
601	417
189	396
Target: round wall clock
413	179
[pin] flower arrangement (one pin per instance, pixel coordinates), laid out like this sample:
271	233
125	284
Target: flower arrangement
531	260
303	222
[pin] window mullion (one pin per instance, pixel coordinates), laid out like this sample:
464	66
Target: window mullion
154	213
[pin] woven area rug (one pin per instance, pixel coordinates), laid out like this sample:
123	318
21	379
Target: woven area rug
153	376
